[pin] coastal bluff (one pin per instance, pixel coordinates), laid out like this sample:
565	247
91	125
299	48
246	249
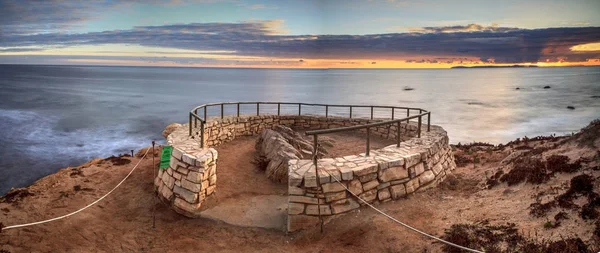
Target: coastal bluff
385	174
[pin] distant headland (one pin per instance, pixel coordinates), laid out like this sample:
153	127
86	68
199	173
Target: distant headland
491	66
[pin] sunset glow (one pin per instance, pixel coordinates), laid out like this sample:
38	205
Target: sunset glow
273	34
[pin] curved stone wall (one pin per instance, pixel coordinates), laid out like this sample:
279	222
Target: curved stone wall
386	174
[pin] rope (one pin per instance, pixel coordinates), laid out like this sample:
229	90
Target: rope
73	213
401	223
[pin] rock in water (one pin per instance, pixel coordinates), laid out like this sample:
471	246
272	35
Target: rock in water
170	128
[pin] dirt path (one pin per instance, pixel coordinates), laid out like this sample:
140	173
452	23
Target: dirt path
123	221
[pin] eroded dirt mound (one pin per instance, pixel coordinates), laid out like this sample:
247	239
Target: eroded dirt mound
561	174
275	147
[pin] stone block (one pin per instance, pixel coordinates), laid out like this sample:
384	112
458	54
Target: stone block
355	186
177	175
370	185
393	173
299	222
351	204
184	205
369	196
205	184
401	181
213	180
310	179
383	194
157	181
383	185
191	186
294	179
365	169
186	195
347	173
295	208
417	170
368	177
182	170
189	159
412	159
170	171
437	169
333	187
211	189
426	177
396	162
194	177
177	153
412	185
302	199
314	209
398	191
166	192
330	197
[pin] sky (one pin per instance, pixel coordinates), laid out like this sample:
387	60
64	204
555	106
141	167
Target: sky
301	33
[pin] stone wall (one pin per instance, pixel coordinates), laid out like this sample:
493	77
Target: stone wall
190	178
218	131
387	174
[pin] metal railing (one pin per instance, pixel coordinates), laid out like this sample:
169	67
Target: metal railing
195	118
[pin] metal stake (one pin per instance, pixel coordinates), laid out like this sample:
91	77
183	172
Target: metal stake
315	153
154	206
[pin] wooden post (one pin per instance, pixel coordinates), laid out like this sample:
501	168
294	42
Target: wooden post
428	121
315	154
419	127
368	140
154	206
398	134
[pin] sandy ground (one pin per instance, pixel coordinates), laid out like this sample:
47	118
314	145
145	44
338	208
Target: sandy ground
123	221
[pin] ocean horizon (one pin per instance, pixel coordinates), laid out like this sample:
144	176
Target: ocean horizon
56	116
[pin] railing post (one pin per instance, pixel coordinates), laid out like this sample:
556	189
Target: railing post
428	121
299	109
257	108
190	124
314	158
195	119
371	112
350	111
368	140
407	112
393	109
238	110
326	111
398	134
419	127
278	109
202	133
222	109
205	113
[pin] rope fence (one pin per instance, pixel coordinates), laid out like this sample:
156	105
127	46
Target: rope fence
392	218
86	207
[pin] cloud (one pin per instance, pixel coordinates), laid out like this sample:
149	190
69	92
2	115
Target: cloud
30	17
267	38
463	28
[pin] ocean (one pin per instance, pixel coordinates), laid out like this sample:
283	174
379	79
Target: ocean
57	116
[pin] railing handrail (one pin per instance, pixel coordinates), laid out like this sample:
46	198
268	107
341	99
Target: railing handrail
350	128
194	117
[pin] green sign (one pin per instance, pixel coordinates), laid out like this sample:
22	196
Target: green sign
165	158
